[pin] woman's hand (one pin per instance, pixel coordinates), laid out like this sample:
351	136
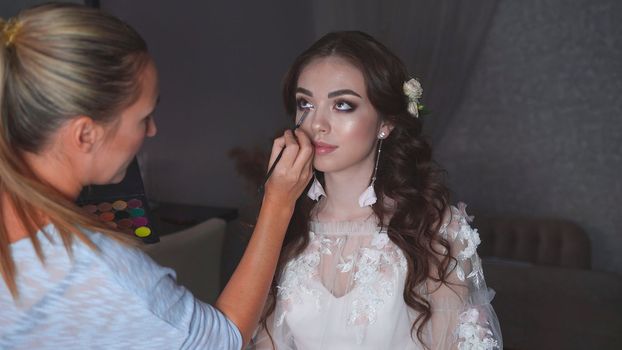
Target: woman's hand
293	171
243	298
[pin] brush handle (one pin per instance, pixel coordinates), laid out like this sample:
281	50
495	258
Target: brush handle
263	185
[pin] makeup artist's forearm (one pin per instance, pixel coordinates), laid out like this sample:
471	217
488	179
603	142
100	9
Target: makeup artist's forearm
244	296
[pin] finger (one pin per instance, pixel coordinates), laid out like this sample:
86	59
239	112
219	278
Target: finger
290	152
305	153
277	147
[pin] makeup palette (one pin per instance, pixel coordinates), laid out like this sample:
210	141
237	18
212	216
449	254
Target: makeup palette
123	206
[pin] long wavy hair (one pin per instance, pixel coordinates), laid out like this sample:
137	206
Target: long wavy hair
406	175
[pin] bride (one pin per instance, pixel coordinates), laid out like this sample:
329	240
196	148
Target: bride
374	257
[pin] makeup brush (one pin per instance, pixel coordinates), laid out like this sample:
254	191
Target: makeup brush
300	121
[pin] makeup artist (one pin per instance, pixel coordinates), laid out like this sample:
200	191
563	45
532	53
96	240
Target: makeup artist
77	94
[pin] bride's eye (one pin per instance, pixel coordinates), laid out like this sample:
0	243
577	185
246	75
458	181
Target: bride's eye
344	106
302	103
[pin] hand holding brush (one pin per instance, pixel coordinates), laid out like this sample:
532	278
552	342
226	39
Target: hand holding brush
278	158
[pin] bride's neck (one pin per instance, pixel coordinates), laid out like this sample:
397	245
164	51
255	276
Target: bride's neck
342	196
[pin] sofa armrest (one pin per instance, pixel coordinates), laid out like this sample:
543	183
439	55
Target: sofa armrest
195	255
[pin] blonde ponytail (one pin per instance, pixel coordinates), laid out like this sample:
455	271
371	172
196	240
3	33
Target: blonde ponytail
57	61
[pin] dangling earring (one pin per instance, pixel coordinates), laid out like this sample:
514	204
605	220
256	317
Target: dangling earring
316	190
368	197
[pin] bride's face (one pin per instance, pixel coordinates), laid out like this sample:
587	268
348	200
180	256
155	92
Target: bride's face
342	122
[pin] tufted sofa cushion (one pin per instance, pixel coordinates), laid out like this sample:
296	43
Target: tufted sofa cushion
538	241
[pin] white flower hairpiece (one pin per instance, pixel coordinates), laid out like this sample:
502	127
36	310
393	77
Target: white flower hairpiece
414	91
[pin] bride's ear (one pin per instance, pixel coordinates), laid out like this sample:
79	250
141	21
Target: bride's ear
385	128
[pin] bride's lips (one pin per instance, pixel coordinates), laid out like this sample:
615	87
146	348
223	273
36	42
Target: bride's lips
323	148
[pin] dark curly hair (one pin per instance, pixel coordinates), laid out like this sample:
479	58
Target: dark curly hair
407	175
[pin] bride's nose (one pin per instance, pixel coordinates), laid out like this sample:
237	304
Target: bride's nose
319	121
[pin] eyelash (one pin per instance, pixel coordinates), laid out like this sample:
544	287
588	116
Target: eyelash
350	106
300	102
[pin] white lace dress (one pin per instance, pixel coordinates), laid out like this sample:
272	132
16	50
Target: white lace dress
345	291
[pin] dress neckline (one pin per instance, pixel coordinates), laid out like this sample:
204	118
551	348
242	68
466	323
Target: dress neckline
367	226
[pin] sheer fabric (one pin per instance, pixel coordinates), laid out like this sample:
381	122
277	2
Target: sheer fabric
345	291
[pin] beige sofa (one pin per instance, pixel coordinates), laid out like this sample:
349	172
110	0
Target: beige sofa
195	254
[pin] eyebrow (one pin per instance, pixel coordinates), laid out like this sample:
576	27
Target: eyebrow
304	91
343	92
331	94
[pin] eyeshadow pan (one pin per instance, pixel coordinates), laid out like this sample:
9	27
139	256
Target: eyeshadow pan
136	212
140	221
104	207
121	215
125	223
142	231
134	203
107	216
90	208
119	205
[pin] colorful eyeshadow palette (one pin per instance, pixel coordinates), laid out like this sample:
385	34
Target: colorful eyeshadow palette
123	206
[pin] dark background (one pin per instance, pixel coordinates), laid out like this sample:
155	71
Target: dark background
534	127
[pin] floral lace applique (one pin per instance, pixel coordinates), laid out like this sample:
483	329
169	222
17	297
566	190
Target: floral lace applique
346	264
327	244
468	237
375	281
296	275
473	336
374	275
367	270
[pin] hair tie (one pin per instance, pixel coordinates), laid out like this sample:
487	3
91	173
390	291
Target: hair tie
9	30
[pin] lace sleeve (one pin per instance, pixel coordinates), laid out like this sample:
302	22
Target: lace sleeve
462	317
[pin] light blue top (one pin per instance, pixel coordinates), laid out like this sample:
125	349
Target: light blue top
117	298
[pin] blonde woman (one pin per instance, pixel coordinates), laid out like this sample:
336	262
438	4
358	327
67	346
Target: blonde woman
77	94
